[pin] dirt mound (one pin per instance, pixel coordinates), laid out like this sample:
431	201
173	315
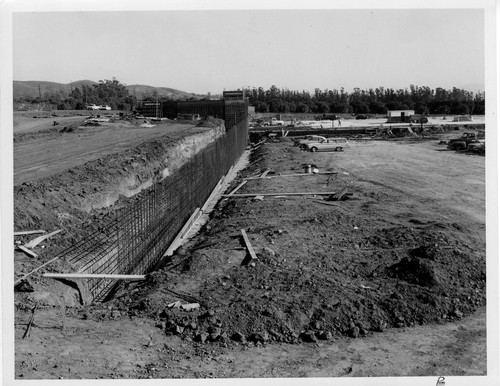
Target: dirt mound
414	270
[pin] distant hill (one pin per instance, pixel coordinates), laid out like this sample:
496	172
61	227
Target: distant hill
140	91
30	89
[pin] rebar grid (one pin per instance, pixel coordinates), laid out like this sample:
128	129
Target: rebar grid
133	239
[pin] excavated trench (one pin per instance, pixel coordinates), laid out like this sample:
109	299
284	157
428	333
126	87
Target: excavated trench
120	213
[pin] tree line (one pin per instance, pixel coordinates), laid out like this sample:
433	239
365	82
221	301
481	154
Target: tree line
423	100
105	92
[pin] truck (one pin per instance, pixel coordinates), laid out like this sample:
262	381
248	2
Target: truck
276	122
463	142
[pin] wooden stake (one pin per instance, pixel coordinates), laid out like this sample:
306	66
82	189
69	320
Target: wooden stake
30	323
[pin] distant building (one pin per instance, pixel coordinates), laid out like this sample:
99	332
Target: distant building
232	95
394	116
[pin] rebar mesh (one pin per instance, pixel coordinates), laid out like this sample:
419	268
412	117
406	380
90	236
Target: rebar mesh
133	239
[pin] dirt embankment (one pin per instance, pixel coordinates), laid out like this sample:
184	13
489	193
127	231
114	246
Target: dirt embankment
79	198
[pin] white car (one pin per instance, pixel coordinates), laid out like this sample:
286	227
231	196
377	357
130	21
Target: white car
308	139
330	144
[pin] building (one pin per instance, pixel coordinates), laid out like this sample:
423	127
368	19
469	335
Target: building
394	116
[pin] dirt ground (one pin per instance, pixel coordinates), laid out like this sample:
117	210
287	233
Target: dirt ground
44	149
389	281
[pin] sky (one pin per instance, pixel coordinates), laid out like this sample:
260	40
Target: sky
215	50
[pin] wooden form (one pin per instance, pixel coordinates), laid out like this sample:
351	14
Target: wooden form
183	232
93	276
213	194
248	245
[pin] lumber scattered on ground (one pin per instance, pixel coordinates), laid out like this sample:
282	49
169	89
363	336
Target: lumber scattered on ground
281	194
33	243
292	175
93	276
237	188
27	251
21	233
249	247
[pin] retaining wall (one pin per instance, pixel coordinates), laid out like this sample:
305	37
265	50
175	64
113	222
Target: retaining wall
133	239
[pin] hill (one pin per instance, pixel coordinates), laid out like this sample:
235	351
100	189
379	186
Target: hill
31	89
139	91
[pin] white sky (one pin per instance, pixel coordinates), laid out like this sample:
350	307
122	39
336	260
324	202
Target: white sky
213	50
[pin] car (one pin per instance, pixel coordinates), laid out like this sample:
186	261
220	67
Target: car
463	142
477	147
330	144
308	138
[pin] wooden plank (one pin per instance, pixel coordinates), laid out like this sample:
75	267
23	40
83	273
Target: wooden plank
292	175
28	232
237	188
281	194
213	194
33	243
190	222
178	239
27	251
35	270
265	173
93	276
338	196
248	245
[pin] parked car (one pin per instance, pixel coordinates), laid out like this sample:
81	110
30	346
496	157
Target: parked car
330	144
463	142
307	139
478	147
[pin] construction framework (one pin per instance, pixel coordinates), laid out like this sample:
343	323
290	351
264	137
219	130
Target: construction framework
133	239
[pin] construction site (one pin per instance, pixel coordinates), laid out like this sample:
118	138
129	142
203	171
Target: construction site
199	248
